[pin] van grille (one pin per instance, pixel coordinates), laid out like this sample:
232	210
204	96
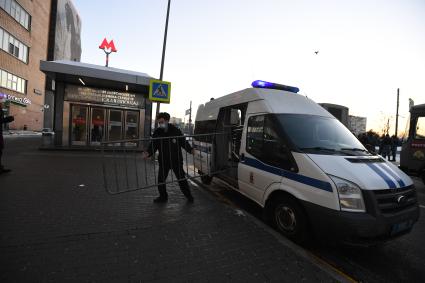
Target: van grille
395	200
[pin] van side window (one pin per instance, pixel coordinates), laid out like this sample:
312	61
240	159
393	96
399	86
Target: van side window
420	128
265	143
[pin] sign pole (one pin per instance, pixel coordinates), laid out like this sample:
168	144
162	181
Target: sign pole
190	119
396	115
163	58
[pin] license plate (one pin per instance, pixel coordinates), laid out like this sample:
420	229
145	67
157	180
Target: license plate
400	227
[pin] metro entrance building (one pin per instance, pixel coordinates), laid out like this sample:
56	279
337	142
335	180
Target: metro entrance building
90	103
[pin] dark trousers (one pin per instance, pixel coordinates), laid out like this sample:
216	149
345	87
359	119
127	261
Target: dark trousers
180	175
1	153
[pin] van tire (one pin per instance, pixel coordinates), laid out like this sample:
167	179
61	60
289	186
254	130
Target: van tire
289	218
206	180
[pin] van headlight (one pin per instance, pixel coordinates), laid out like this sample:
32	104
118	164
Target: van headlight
350	195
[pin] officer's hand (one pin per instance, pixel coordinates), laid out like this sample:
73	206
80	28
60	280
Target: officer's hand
193	151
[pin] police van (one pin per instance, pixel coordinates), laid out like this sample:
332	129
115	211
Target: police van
307	170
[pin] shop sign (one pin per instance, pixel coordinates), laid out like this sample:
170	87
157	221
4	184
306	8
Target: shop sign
102	96
18	100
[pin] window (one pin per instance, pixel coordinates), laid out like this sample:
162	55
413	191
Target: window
420	128
13	46
5	41
17	12
10	81
319	135
266	142
3	78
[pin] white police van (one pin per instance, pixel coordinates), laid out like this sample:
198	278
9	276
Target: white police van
306	169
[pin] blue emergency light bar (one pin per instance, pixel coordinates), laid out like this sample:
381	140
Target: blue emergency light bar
269	85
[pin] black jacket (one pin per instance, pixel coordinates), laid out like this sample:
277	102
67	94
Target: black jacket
3	120
169	145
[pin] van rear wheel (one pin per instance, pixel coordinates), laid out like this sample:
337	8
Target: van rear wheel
289	218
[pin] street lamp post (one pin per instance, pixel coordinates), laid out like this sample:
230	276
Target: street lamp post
163	57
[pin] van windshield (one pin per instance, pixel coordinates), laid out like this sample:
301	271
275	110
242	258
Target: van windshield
320	135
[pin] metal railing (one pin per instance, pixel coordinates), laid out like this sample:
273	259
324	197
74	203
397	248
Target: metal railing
125	168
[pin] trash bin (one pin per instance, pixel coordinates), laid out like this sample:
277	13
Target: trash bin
47	138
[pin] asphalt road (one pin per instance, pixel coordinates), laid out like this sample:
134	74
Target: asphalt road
401	260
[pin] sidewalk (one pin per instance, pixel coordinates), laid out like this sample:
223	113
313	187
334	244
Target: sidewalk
15	133
59	225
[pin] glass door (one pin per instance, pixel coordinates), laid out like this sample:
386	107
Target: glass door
79	125
97	126
131	126
115	125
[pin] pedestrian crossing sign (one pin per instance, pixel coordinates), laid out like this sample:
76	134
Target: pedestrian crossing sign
159	91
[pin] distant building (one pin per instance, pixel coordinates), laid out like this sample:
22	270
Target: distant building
176	121
357	124
64	44
338	111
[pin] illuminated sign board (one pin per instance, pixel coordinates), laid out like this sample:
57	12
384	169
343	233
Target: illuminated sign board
108	46
15	99
102	96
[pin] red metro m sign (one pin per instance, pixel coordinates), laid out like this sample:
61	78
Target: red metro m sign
108	48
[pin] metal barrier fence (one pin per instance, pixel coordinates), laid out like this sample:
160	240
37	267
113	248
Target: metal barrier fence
125	168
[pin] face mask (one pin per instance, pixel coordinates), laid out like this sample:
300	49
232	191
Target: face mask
163	125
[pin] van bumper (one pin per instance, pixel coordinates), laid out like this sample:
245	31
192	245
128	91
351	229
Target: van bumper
360	228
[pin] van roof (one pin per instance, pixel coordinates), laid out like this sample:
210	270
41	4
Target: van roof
274	101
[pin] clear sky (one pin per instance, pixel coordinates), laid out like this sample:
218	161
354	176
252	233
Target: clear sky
367	48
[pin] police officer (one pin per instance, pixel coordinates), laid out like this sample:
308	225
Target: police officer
3	120
170	156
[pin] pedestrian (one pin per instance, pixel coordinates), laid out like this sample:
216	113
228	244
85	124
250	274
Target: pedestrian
3	120
386	146
170	156
394	144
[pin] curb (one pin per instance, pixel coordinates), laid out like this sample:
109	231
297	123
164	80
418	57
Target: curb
298	250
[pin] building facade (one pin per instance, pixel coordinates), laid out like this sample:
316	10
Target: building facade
24	32
32	31
357	125
64	44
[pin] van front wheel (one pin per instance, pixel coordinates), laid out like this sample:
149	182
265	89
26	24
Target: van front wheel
289	218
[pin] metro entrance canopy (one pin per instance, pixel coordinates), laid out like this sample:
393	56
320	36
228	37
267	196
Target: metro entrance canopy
89	103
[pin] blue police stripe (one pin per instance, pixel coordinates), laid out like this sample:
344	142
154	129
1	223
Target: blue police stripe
389	182
394	175
287	174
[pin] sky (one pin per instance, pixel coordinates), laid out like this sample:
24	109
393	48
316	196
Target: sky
367	49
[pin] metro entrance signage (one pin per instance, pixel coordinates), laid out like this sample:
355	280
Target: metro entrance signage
160	91
108	48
